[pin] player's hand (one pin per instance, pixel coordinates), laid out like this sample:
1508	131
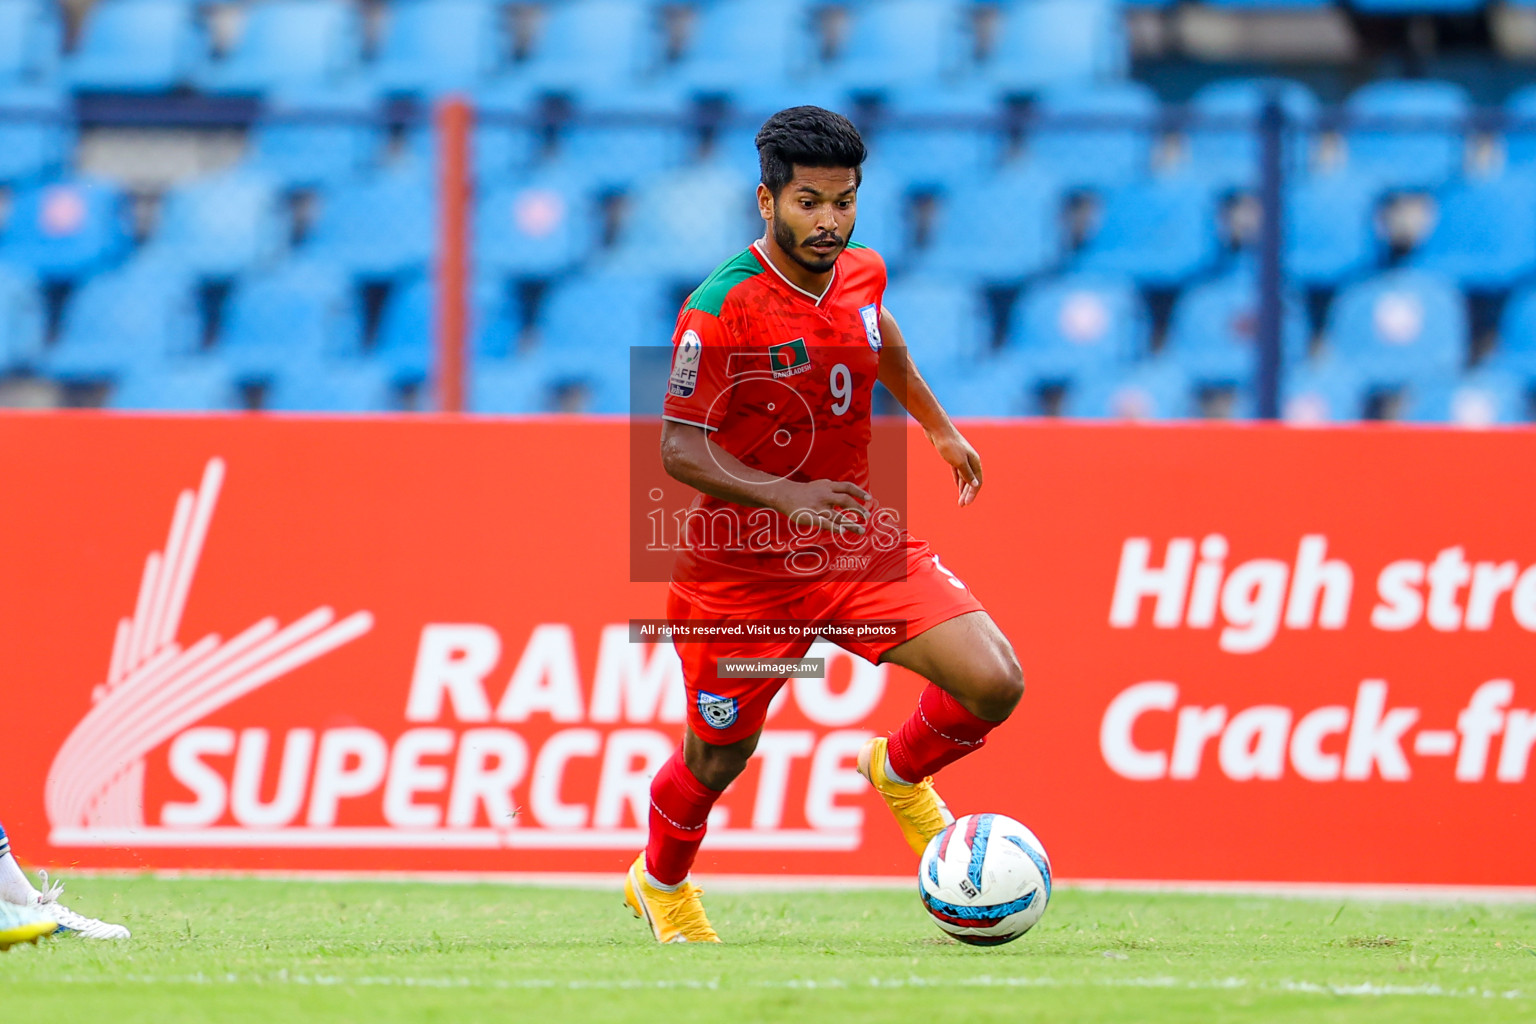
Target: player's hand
836	506
962	458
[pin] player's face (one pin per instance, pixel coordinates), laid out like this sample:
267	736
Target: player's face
812	218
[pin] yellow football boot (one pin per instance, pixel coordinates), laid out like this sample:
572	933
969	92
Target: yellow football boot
919	810
673	916
20	924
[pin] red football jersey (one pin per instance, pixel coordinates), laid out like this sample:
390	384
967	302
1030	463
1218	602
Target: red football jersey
783	380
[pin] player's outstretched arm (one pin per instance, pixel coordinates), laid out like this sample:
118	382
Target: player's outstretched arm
688	455
899	375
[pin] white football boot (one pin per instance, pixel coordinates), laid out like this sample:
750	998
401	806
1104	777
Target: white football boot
88	927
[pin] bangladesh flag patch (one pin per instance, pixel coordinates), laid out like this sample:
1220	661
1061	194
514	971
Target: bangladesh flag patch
789	358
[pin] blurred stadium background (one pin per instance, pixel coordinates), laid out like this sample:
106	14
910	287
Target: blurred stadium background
233	205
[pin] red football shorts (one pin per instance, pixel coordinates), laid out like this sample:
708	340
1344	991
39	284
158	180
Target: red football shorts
726	710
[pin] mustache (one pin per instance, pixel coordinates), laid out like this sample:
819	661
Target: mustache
835	239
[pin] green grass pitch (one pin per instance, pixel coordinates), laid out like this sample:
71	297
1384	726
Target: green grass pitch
261	950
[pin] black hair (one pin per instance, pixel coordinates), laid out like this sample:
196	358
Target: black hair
810	137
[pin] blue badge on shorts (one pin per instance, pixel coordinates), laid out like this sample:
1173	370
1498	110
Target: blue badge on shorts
718	712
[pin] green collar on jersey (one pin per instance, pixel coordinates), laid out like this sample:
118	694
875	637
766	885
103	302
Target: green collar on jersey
709	297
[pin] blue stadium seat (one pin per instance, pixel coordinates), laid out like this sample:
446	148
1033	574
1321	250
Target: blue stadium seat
1485	237
1401	326
734	144
537	227
31	39
37	133
1480	398
618	155
1516	350
188	384
138	314
744	44
1226	149
943	322
434	46
498	318
1077	325
1409	133
588	324
901	43
595	50
649	369
1153	390
309	137
1003	228
588	329
1117	150
722	221
601	388
883	209
1330	232
289	42
1322	391
500	148
577	380
932	156
21	319
332	385
142	46
751	104
505	386
381	227
406	344
223	225
734	148
1214	331
966	98
1161	232
67	229
296	314
1043	43
985	389
1520	137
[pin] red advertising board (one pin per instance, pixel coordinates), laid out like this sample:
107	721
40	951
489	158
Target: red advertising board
1252	654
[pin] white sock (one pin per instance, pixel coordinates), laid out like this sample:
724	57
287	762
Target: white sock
890	772
650	880
14	887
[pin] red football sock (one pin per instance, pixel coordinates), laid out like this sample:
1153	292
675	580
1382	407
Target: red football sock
680	806
939	732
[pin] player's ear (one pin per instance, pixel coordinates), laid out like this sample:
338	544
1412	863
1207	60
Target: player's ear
764	202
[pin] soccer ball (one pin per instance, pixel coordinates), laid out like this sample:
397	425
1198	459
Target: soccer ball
985	879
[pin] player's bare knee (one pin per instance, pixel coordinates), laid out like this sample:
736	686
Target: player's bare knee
1001	687
1011	688
717	767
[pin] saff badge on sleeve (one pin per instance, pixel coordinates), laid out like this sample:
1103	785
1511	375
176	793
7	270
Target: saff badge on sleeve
870	314
685	366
